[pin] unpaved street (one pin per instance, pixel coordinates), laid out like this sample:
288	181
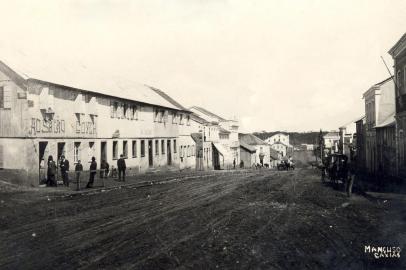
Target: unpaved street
259	219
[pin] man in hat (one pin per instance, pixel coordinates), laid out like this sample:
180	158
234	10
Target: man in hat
121	168
93	171
64	165
51	172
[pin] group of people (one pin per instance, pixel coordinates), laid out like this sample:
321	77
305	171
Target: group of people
64	169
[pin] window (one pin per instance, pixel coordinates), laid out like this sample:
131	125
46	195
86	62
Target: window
125	111
125	149
115	109
181	119
92	149
76	152
156	114
181	151
188	150
174	146
142	148
188	120
156	147
115	149
134	148
174	118
163	147
134	112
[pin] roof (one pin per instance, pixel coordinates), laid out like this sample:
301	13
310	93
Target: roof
168	98
389	121
402	40
332	134
198	119
206	112
196	136
78	76
352	122
247	147
250	139
222	150
223	131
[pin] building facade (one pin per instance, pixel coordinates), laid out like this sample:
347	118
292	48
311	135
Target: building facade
223	134
259	150
379	105
398	53
41	118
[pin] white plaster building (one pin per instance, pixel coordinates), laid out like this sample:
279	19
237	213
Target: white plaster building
70	111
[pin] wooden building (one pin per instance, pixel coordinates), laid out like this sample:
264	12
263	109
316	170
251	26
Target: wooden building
398	53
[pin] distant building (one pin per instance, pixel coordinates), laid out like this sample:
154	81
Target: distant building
280	142
331	141
279	137
347	133
307	147
360	144
225	140
248	143
398	53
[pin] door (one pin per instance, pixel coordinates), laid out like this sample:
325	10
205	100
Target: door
42	161
150	154
61	151
103	151
168	148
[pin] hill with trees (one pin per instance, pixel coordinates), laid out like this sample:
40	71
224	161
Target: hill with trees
295	138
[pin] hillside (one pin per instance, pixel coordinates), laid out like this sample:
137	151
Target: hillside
296	138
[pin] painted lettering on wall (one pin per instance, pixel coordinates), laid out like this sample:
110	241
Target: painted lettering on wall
45	126
86	127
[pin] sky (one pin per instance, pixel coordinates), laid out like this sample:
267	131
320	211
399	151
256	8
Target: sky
272	64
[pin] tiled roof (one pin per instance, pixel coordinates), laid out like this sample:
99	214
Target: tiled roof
78	76
247	147
168	98
250	139
198	119
206	112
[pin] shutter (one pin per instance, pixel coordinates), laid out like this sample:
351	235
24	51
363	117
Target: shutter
8	97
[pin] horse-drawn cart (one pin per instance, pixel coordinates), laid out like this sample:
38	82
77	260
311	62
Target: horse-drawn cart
335	169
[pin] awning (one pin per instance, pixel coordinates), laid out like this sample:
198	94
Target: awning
247	147
222	150
389	121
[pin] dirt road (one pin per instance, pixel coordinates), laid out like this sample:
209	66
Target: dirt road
251	220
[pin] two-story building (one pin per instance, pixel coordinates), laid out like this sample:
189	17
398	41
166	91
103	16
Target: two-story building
398	53
280	142
223	134
379	106
53	111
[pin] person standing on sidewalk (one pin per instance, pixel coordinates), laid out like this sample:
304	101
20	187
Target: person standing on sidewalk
78	172
51	172
93	171
121	168
64	165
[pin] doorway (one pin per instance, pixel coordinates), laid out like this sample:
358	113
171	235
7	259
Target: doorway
103	151
150	154
42	161
61	151
168	147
